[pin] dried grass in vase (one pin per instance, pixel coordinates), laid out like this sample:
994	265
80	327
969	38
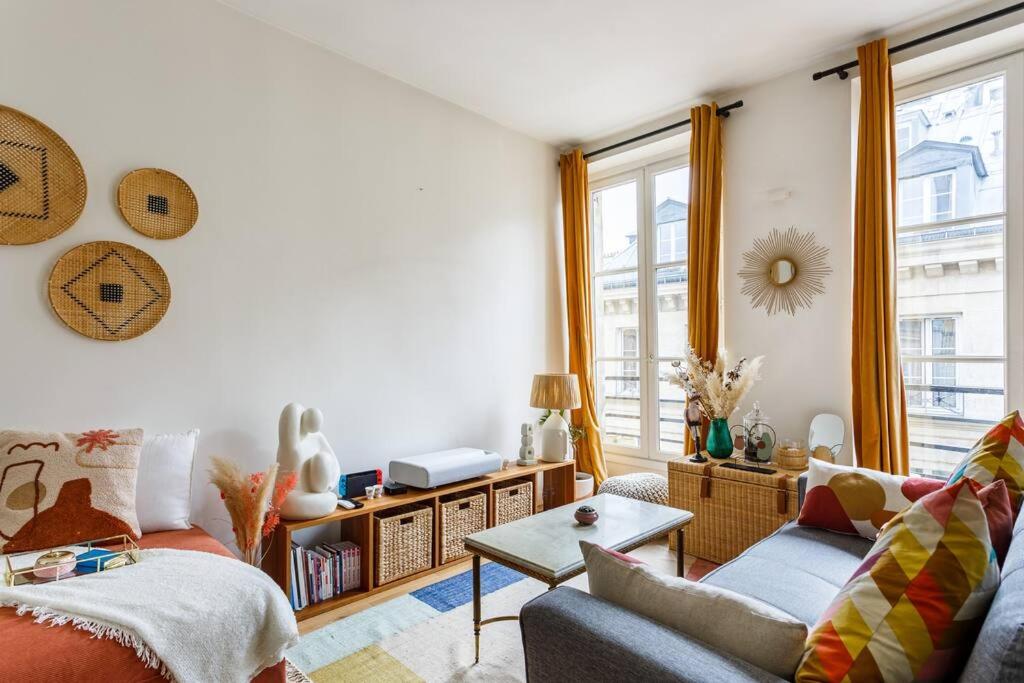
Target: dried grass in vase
716	389
253	502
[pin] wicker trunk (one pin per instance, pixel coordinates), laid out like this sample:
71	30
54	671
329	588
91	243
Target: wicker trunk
732	509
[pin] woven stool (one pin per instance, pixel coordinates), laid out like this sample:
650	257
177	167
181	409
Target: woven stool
646	486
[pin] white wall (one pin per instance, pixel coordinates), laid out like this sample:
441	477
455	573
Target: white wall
362	246
795	135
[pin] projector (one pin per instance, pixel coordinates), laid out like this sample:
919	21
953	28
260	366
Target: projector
431	470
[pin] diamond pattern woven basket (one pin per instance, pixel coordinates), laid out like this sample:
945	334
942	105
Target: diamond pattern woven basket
42	184
109	291
157	203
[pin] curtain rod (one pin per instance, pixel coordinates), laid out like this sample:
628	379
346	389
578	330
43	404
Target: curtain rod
843	69
722	111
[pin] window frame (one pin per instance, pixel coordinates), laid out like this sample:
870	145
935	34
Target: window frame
928	196
643	173
1012	68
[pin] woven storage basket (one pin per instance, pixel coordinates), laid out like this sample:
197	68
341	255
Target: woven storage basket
403	541
157	203
109	290
462	514
513	500
732	509
42	184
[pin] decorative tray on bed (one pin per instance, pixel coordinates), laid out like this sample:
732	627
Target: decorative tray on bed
69	561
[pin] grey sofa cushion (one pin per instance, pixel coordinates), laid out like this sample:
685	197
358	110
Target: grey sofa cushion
569	635
797	569
998	654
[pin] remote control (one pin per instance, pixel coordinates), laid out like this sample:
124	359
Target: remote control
347	504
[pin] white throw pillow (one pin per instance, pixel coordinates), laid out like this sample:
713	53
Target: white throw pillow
163	495
742	626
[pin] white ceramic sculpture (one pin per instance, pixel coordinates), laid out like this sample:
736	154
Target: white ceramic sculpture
303	449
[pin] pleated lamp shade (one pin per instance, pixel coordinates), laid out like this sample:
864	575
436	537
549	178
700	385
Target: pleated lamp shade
555	391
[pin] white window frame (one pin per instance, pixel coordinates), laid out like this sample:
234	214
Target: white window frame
647	313
1012	67
928	195
927	368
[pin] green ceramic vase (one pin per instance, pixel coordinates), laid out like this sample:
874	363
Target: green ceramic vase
719	439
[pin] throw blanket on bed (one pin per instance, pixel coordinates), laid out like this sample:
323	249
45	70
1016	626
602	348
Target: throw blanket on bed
194	616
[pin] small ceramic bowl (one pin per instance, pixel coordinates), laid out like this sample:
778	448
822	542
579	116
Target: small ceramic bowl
586	515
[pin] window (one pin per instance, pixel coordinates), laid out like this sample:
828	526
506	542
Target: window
921	337
926	199
639	225
957	299
904	138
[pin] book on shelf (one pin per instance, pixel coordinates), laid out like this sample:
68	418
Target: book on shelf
323	572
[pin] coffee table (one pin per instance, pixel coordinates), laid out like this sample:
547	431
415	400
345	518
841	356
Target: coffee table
546	546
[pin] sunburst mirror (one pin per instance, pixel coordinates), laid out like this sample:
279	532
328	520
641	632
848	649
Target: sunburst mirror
784	271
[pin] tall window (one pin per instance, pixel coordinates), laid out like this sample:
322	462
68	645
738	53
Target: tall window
639	229
953	228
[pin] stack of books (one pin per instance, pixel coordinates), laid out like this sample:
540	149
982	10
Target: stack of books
323	572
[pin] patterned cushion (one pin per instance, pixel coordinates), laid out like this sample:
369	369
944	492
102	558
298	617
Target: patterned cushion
57	489
646	486
913	608
854	500
997	455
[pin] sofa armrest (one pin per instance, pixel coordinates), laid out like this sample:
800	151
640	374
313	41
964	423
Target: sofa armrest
801	490
571	635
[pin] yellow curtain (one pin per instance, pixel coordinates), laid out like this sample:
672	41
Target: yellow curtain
589	454
705	233
879	399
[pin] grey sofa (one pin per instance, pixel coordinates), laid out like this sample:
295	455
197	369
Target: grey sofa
569	635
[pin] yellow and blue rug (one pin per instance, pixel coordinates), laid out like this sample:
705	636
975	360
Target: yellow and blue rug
426	635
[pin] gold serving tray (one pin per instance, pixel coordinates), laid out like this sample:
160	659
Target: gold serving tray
20	569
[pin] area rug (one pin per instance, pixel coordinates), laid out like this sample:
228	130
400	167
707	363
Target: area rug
427	635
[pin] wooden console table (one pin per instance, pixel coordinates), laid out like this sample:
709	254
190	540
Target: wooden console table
557	486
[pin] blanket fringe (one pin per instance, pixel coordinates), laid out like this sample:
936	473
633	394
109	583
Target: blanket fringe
47	616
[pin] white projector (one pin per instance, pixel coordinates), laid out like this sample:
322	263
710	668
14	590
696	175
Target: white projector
431	470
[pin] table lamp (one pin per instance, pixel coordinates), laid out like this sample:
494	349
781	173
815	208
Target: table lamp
555	392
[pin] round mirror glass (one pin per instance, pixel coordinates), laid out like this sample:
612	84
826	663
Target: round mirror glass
782	271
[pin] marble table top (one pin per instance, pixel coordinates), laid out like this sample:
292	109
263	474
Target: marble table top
546	545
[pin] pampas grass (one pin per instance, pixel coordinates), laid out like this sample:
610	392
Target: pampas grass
253	502
717	389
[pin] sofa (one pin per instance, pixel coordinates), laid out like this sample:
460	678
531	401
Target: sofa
569	635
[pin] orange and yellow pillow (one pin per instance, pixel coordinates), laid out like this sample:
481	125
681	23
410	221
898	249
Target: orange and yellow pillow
854	500
912	609
997	455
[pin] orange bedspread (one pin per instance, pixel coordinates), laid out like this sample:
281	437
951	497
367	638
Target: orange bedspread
33	652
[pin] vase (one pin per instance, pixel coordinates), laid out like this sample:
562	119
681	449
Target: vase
719	439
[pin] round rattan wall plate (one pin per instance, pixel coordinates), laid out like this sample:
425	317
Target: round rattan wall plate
42	184
157	203
109	291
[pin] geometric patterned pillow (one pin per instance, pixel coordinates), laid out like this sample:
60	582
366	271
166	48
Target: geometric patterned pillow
997	455
855	500
913	608
58	489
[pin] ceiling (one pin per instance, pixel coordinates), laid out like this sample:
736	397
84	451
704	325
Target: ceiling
569	71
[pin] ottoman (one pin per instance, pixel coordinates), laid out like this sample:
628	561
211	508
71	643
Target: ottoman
646	486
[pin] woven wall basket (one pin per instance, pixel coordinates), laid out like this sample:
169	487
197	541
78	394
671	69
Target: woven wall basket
109	291
157	203
42	184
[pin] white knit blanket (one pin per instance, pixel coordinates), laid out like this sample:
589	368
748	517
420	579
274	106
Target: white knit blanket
194	616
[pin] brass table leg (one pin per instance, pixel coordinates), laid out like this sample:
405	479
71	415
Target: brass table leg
680	560
476	604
